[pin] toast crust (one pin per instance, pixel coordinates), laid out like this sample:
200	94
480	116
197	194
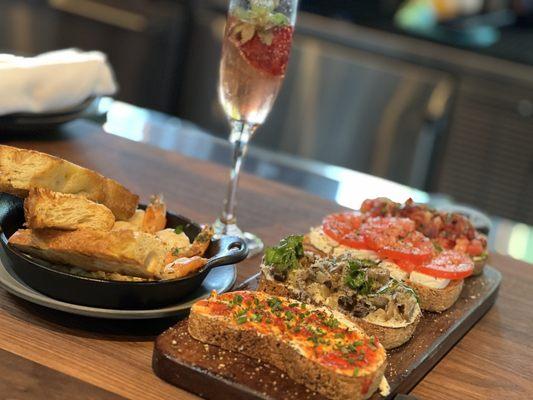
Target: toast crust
389	337
46	209
278	352
125	252
21	170
437	300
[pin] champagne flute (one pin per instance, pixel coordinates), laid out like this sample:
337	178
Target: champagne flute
255	53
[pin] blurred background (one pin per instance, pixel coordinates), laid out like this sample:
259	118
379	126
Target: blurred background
433	94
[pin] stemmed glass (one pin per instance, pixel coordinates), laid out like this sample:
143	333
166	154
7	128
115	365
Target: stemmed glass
255	53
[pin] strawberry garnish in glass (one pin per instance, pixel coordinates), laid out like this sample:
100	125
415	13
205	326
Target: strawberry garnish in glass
255	54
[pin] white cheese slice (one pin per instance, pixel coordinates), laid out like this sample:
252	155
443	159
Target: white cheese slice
429	281
356	253
321	241
395	271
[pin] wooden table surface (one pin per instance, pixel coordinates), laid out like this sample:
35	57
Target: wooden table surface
46	354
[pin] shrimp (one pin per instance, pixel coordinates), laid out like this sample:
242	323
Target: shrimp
155	216
196	248
182	267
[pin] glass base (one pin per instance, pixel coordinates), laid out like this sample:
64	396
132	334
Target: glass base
255	245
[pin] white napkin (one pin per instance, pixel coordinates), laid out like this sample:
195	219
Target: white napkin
53	81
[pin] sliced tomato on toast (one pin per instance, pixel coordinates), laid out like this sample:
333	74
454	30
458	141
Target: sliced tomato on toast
414	248
397	239
449	264
405	265
344	229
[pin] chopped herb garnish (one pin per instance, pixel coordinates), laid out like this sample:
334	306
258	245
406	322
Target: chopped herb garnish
175	252
356	372
240	313
356	278
352	347
242	320
293	305
289	315
256	317
331	322
274	303
313	339
237	299
178	229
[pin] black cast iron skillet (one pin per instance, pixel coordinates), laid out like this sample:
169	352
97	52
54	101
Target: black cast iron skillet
43	277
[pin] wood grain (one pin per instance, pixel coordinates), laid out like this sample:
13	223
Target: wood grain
21	379
492	361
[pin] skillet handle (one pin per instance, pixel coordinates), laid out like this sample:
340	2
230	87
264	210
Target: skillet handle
227	250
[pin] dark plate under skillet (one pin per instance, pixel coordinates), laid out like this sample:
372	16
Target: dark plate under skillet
31	122
43	277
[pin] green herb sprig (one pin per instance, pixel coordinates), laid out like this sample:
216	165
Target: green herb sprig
286	255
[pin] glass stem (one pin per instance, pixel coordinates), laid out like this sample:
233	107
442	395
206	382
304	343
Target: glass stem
241	132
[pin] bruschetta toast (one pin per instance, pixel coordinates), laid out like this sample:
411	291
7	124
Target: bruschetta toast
359	288
314	346
449	231
434	272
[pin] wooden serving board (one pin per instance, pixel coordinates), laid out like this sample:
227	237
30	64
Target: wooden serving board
213	373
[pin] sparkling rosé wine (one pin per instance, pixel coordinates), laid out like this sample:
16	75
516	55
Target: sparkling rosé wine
252	69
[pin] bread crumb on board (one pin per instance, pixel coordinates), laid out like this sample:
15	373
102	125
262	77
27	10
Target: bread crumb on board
384	387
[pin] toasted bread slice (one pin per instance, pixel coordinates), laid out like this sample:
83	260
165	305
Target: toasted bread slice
46	209
248	322
429	299
21	170
437	300
389	336
124	252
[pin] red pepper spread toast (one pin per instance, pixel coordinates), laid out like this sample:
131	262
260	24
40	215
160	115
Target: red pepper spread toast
314	346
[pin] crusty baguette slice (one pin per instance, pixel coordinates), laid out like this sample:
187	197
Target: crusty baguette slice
124	252
389	337
46	209
340	361
21	169
437	300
